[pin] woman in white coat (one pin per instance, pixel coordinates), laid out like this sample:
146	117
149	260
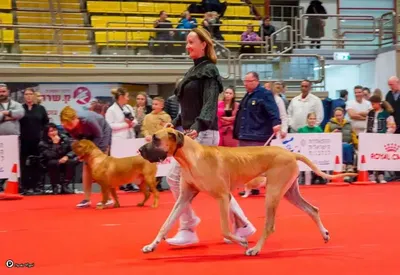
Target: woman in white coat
121	118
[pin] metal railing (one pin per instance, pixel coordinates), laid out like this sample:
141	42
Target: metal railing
288	29
379	32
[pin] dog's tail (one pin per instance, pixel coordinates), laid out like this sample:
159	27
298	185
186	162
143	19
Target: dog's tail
316	170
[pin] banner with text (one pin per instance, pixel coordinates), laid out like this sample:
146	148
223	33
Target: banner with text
381	151
78	96
321	149
9	154
121	148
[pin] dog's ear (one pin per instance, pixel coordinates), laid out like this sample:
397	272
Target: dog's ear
178	137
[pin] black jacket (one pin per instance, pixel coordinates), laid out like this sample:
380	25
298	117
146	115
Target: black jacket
396	107
197	94
172	106
50	151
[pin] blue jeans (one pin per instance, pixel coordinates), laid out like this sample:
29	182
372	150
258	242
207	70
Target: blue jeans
245	143
348	154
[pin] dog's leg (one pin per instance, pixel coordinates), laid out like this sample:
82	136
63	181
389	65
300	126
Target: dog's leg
115	197
152	183
293	196
279	179
224	213
145	190
105	191
247	192
186	196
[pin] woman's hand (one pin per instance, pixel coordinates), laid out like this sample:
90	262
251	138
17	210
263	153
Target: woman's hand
192	134
148	138
336	131
129	122
63	159
283	135
168	125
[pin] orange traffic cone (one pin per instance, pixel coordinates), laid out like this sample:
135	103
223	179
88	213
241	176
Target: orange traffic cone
11	190
338	170
363	176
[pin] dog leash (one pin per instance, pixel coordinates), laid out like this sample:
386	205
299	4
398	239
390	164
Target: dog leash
270	139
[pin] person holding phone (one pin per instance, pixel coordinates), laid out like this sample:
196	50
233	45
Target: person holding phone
227	109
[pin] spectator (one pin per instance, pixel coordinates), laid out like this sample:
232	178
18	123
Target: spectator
164	23
393	98
57	156
378	92
316	24
311	128
349	138
357	110
38	98
380	120
340	102
121	118
303	104
212	24
268	85
214	6
249	36
367	93
258	116
266	29
92	126
227	109
186	22
172	105
156	120
10	113
277	89
32	125
141	109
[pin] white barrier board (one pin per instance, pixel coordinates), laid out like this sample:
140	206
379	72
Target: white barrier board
320	148
9	154
381	151
121	148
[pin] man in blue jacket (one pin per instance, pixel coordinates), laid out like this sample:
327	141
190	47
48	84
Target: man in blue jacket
92	126
258	116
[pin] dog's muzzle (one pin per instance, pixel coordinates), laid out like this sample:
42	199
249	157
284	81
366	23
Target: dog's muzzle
152	154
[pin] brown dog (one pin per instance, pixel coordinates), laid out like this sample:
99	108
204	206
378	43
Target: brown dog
218	170
110	172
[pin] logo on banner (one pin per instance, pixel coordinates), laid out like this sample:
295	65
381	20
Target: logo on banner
391	152
82	95
290	145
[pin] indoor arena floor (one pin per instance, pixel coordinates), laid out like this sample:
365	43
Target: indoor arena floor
49	232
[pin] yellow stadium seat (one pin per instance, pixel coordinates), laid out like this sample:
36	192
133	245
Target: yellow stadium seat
119	38
149	21
5	4
178	8
230	11
101	21
158	7
239	25
6	18
135	21
104	6
231	39
129	7
174	20
7	36
146	7
242	11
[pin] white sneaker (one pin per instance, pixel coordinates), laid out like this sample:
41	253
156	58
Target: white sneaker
108	203
243	232
183	237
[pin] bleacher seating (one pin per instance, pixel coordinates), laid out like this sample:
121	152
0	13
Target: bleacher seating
6	36
5	5
142	14
64	5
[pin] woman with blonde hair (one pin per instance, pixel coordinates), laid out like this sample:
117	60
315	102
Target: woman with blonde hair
227	109
198	94
141	109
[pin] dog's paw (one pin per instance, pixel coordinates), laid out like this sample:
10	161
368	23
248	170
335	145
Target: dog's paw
252	252
243	242
148	248
140	204
327	237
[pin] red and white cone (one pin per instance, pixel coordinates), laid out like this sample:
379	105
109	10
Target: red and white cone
363	176
338	170
11	190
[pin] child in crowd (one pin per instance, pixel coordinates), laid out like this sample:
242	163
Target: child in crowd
380	120
312	128
154	122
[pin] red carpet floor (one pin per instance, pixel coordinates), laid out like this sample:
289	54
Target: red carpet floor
48	231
